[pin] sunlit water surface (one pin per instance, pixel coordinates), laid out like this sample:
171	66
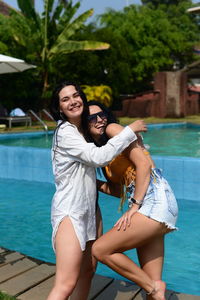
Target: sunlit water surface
180	141
25	227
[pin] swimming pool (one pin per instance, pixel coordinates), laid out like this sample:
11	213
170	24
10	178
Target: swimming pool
25	227
179	139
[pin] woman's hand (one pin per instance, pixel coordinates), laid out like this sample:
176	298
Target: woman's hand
125	220
138	126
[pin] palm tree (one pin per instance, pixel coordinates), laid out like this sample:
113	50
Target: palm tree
49	35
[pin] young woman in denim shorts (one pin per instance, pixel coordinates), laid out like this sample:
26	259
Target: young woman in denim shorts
152	209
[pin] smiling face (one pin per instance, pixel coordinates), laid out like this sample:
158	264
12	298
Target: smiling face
97	122
71	104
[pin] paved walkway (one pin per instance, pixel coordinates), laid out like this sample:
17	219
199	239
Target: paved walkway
27	278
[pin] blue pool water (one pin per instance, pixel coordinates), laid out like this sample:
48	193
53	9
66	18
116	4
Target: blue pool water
164	139
177	141
25	227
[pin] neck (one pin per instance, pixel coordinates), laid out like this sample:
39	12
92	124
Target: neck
77	123
97	140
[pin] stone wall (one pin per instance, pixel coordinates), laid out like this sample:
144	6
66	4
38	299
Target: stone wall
170	98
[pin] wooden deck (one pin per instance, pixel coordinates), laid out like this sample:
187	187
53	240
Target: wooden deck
27	278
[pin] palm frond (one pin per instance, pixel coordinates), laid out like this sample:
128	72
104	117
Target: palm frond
73	46
28	10
70	29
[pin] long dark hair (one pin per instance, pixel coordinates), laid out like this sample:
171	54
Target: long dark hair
110	119
55	105
103	140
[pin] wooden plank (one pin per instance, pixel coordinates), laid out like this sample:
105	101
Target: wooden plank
99	283
39	292
119	290
11	270
11	257
36	280
27	280
2	250
169	295
179	296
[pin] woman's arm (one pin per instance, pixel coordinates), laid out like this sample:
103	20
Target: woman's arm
143	170
71	143
136	155
109	188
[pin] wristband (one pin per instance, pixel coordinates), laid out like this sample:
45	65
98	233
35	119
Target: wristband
136	201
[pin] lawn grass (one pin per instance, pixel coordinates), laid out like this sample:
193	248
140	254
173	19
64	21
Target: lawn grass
152	120
123	121
4	296
35	127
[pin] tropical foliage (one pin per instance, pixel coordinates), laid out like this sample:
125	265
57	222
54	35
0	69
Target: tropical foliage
156	38
45	38
143	39
156	3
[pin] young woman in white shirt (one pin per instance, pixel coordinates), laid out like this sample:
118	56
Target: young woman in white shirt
74	207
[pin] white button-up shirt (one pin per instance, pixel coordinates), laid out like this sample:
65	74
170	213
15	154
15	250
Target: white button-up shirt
74	161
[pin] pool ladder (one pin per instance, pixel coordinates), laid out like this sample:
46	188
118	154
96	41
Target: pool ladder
32	113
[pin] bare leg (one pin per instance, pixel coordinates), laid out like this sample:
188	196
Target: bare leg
151	257
108	249
86	273
68	261
88	267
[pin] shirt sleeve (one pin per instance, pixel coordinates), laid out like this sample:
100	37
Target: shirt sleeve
74	144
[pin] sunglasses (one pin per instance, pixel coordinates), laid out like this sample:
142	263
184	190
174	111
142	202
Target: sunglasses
93	118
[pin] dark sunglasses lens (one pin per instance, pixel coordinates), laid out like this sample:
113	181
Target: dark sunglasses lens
102	115
93	118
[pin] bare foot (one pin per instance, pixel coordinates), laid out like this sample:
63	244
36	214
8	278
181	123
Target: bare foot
159	291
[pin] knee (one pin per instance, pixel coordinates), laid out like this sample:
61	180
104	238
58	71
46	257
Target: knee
69	287
65	288
98	251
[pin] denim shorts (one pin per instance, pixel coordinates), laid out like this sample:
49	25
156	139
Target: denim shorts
159	202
